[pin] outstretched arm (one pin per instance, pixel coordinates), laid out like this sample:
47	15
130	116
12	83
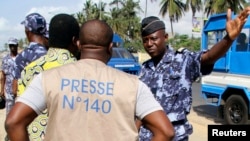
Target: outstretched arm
233	28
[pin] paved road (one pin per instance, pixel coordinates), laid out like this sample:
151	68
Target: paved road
201	116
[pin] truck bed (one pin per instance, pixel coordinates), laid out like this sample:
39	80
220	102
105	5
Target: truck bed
215	84
226	79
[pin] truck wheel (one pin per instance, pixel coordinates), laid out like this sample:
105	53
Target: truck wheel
235	110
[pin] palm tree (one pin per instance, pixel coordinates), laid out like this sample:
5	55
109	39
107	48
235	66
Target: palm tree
115	20
146	7
220	6
101	10
88	9
116	2
195	5
80	18
127	17
175	10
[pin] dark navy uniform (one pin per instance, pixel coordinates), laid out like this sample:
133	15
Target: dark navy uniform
171	83
29	54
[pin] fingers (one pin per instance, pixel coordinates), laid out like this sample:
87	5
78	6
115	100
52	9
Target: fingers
229	14
247	9
244	14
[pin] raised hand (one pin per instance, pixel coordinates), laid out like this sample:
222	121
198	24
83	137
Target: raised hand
234	27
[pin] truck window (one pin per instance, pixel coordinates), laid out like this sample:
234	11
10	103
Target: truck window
228	86
214	37
241	44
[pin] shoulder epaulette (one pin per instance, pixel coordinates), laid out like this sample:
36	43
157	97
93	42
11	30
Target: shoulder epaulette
181	50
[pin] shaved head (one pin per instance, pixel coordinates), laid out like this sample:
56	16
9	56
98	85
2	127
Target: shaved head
95	40
97	33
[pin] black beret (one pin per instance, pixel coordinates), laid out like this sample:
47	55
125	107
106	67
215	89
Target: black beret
150	25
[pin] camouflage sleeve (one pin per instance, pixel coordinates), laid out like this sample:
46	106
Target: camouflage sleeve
196	68
205	69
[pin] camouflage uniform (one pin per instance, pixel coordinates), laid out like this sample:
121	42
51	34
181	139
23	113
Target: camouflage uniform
7	67
36	24
29	54
171	83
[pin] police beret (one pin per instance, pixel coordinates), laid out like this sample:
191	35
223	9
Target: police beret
150	25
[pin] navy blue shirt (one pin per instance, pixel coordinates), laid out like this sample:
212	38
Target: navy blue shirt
29	54
7	67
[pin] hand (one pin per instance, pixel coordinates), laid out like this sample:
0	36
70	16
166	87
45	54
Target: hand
2	95
234	27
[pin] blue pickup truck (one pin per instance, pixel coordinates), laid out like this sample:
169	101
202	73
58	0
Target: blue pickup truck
122	59
228	86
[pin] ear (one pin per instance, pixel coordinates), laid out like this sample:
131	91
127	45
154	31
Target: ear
110	48
166	36
109	51
27	33
75	40
77	43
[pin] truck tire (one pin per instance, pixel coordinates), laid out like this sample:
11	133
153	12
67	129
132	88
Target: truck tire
235	110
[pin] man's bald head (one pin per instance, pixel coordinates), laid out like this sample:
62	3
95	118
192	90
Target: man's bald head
97	33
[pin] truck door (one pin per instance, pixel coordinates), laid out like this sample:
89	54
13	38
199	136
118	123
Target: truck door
240	54
213	38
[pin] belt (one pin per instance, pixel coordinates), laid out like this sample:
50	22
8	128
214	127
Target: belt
179	122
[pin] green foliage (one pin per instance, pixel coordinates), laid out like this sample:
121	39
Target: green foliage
134	46
175	9
221	6
179	41
124	20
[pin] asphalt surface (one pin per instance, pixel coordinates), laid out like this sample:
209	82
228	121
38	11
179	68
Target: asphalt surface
201	115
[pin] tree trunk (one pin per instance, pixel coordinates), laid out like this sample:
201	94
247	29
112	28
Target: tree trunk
171	24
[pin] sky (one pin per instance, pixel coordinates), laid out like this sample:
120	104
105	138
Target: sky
13	12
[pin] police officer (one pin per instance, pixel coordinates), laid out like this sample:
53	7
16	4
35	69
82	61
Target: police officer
170	73
37	34
6	79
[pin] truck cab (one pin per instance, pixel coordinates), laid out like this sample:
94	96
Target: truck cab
228	86
122	59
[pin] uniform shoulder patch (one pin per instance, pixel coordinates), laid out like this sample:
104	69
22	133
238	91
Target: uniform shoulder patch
181	50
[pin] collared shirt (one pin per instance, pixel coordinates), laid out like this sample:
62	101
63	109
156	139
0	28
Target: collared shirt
7	67
55	57
171	83
29	54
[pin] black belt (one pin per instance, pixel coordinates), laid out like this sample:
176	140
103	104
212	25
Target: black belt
179	122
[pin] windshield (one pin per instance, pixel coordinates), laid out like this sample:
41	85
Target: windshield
121	53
